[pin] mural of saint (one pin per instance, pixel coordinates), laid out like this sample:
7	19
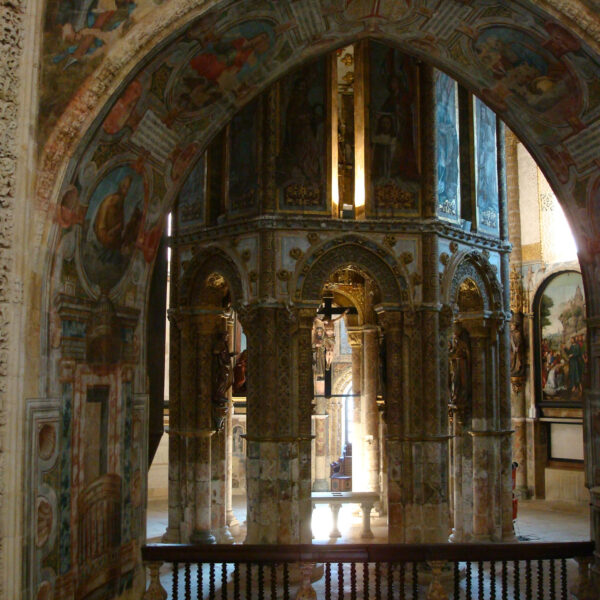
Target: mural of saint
563	355
486	167
447	146
301	160
113	221
394	169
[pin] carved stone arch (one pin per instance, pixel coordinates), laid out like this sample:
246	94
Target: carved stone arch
352	250
206	262
472	265
343	379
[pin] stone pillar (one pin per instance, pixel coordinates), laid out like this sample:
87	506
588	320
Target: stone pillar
230	519
398	472
355	339
335	432
591	419
321	447
176	446
200	428
279	397
369	411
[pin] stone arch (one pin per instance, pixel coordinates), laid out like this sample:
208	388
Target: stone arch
212	260
472	266
563	161
381	266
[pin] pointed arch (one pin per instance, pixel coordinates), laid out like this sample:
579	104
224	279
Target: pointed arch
472	266
209	261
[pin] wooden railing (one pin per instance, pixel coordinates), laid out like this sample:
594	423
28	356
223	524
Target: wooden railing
540	571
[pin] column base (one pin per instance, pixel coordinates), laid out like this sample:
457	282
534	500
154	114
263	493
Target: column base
202	537
223	535
321	485
234	525
171	536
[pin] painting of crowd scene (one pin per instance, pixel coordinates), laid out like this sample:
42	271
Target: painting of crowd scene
563	343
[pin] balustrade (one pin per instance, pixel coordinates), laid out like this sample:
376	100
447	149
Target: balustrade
525	571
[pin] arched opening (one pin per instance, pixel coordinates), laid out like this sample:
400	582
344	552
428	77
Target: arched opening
267	278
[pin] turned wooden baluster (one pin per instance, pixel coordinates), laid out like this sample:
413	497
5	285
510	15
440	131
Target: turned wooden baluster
155	590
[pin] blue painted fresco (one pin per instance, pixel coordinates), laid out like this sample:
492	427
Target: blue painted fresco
192	196
486	168
448	163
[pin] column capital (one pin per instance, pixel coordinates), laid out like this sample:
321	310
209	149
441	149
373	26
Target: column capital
355	336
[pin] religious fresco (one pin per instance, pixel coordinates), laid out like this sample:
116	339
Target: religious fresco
301	171
448	159
192	197
541	82
562	329
486	168
162	116
111	226
395	179
219	66
244	152
77	36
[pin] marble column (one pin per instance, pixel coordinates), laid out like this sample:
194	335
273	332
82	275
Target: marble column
369	410
279	398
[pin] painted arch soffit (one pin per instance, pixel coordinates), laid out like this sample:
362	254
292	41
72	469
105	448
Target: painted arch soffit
171	81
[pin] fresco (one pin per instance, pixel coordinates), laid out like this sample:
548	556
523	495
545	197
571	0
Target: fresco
243	159
486	168
112	223
222	64
541	82
301	167
394	120
563	354
448	159
192	197
76	38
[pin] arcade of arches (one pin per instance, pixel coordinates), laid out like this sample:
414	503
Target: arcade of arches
353	225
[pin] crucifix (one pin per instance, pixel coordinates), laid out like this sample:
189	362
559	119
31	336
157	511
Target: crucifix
326	313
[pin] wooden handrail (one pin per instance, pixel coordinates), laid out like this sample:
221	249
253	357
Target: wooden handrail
358	553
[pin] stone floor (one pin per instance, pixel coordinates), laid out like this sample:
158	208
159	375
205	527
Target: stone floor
537	521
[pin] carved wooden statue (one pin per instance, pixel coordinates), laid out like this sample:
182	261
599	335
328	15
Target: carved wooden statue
517	346
222	378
